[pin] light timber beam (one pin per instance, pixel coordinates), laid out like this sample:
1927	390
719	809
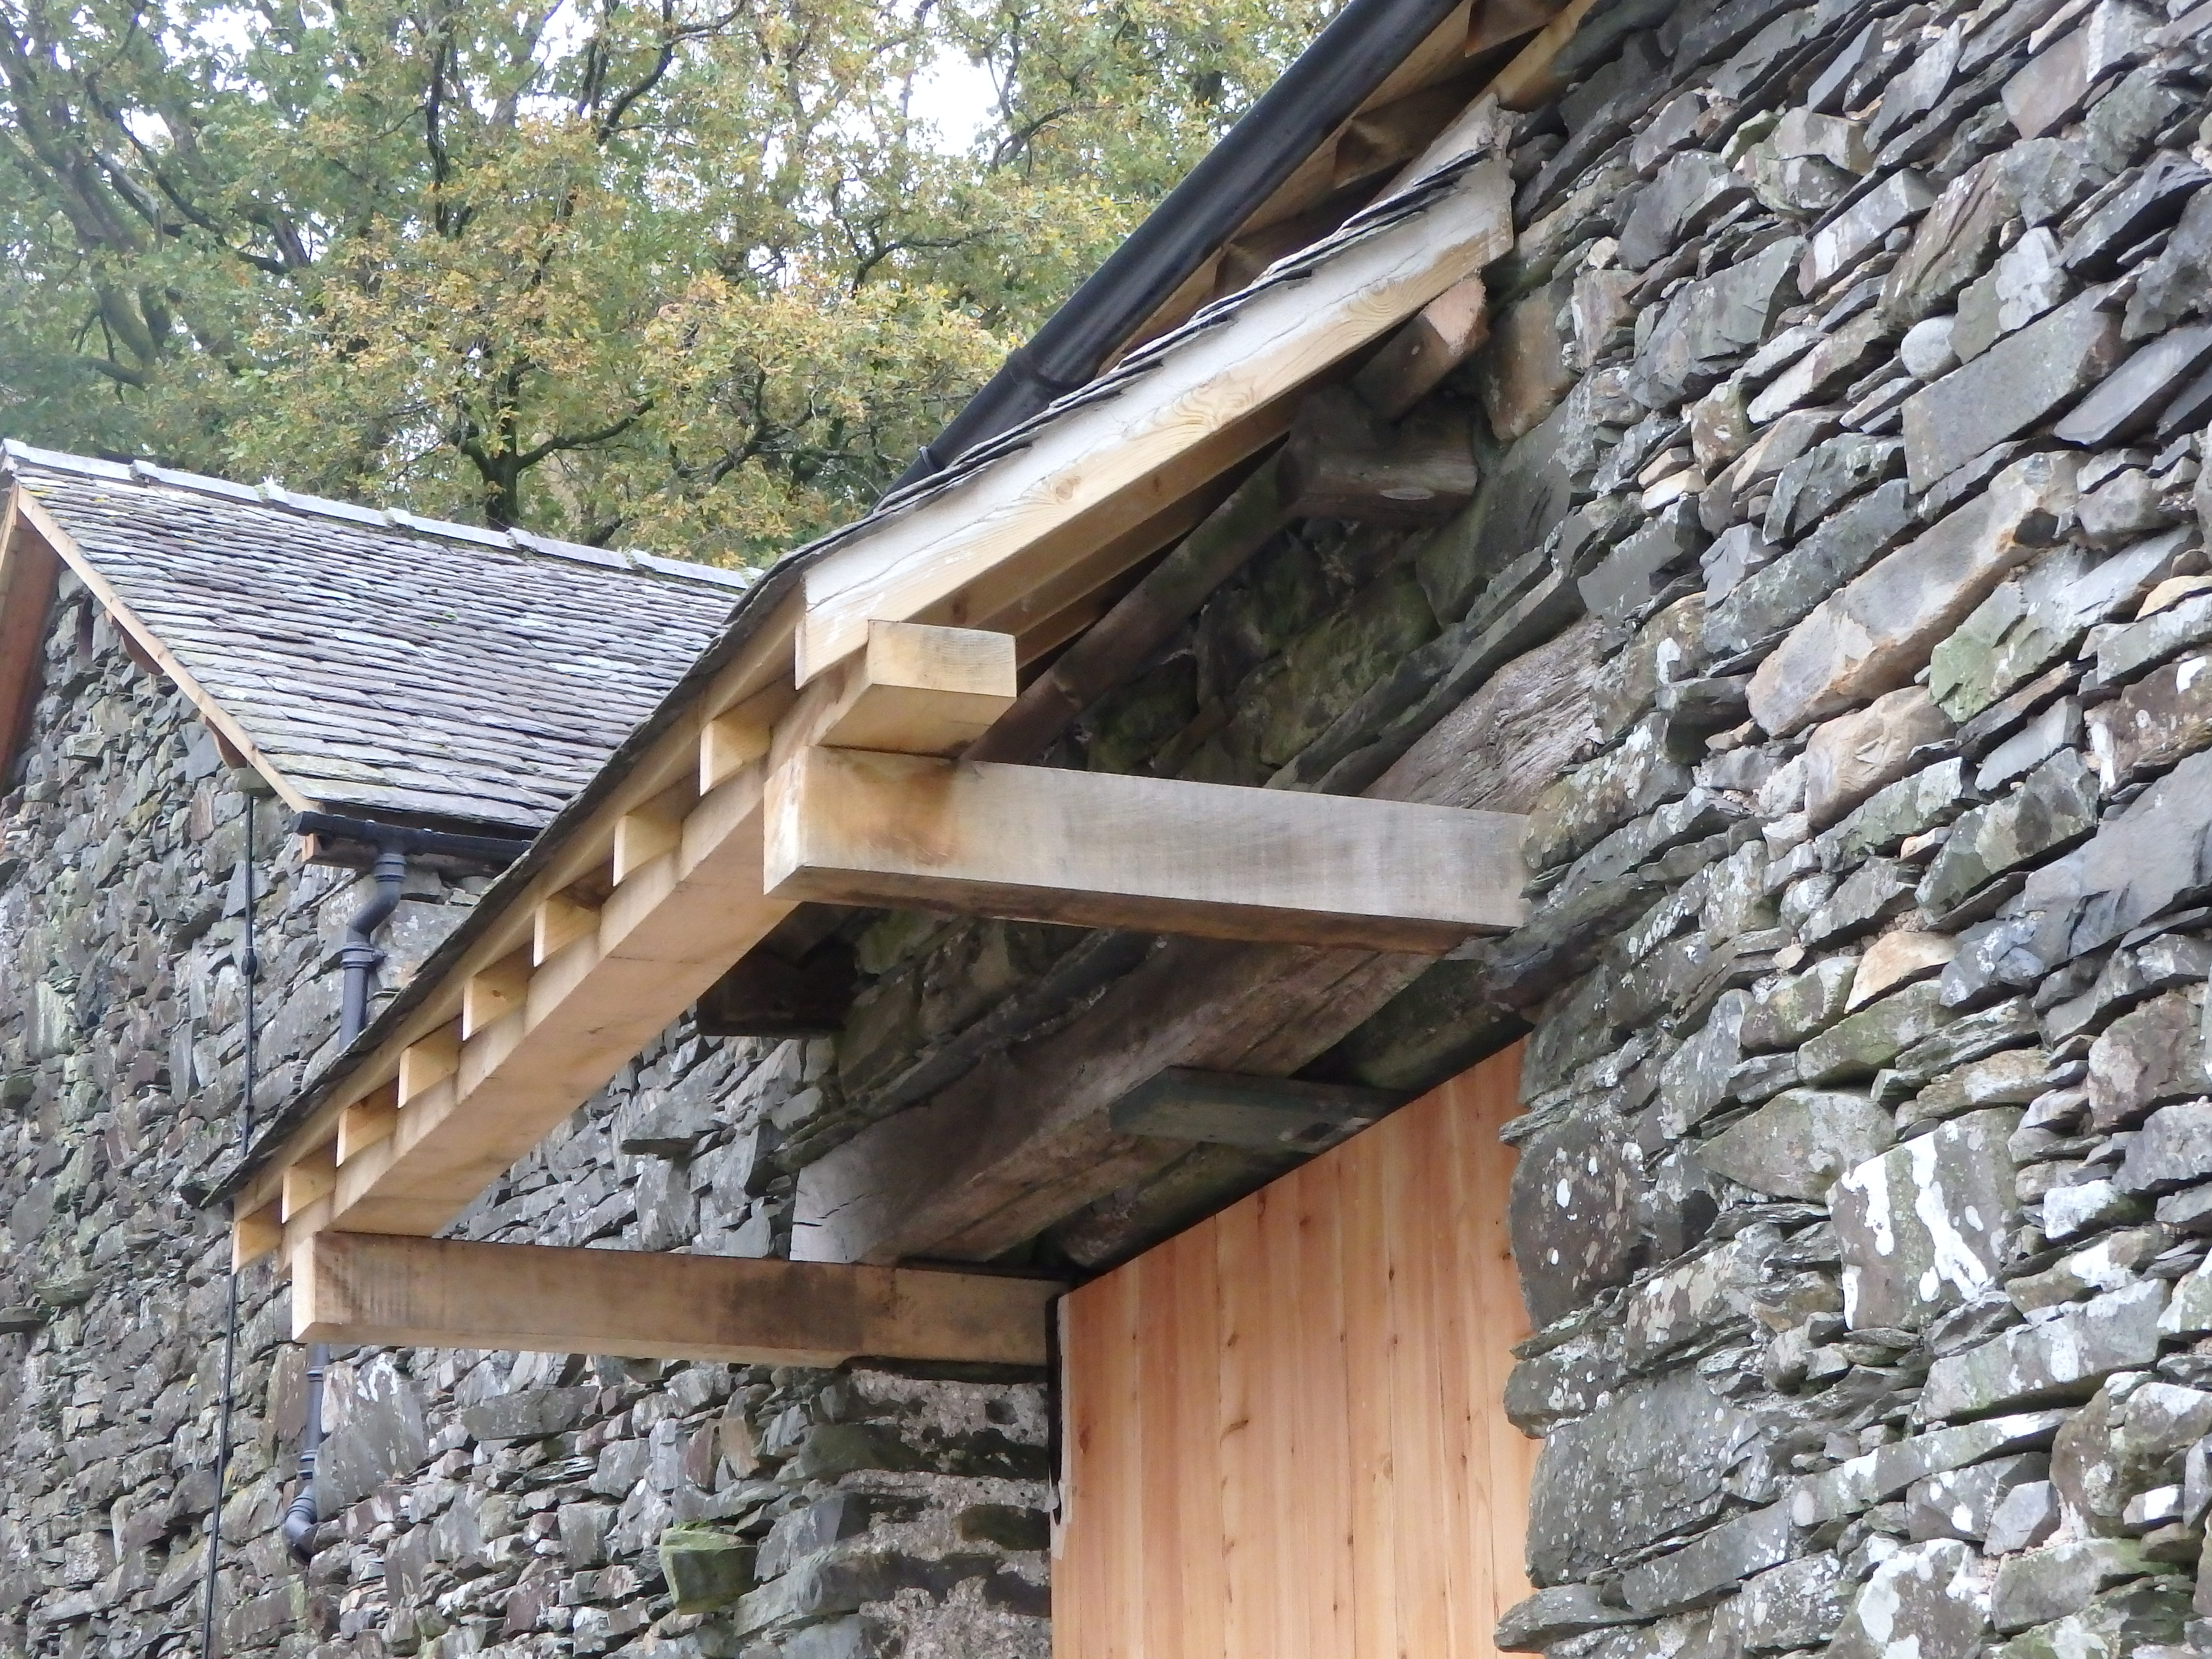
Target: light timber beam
1205	400
448	1293
922	690
1158	854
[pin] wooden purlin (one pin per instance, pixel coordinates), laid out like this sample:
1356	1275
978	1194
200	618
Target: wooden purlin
451	1293
1154	855
680	914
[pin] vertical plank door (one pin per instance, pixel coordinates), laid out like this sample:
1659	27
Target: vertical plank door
1285	1434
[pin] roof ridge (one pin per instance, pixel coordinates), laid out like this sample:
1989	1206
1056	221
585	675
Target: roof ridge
271	493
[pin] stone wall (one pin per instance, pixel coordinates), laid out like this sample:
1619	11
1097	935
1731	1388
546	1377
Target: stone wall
1840	552
547	1505
1866	1173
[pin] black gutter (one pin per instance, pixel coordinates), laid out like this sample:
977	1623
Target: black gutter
1323	89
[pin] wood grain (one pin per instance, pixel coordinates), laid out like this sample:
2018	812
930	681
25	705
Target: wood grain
453	1293
1287	1433
1278	340
1158	854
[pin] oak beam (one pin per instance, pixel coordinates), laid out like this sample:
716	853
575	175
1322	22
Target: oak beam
923	690
1156	854
451	1293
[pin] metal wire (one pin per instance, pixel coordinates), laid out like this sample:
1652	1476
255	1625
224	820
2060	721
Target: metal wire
250	971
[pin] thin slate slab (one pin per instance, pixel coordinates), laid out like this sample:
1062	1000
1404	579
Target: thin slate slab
384	664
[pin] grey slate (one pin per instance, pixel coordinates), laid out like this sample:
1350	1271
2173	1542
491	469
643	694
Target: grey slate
386	664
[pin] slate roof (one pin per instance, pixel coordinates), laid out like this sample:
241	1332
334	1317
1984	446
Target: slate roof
385	664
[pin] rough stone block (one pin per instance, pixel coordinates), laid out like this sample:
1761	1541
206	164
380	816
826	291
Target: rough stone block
1874	635
2009	388
705	1567
1862	1043
1712	1564
2173	1151
1960	1502
1649	1464
1573	1211
1799	1604
1923	1226
1779	591
1927	1598
1711	322
2050	1582
1849	757
1799	1143
2128	401
2062	1358
2055	805
1839	244
1876	1477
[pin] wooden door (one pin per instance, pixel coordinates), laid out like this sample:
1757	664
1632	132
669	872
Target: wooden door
1285	1432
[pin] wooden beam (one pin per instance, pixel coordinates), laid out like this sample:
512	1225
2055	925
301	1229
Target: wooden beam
1263	1114
494	991
646	832
734	739
1342	462
1142	620
924	690
557	923
1158	854
367	1120
311	1177
1018	1143
449	1293
424	1065
1117	447
1445	333
254	1234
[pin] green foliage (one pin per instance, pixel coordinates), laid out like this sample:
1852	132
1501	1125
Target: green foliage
667	274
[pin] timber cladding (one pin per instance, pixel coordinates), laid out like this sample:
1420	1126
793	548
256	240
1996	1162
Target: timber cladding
1285	1427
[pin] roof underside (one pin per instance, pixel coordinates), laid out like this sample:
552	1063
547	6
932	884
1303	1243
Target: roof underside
437	673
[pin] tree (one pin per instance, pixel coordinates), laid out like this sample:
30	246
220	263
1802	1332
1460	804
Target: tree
692	275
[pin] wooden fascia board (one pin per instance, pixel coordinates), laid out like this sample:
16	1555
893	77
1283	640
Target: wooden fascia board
1098	458
756	671
28	570
451	1293
218	718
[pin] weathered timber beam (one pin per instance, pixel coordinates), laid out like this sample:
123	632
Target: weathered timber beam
1142	619
1158	854
451	1293
1118	458
1343	463
1025	1139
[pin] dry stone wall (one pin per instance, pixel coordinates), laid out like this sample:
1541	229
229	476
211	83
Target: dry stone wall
560	1507
1862	357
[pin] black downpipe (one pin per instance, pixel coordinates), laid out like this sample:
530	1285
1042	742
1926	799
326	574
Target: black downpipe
359	958
1353	56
